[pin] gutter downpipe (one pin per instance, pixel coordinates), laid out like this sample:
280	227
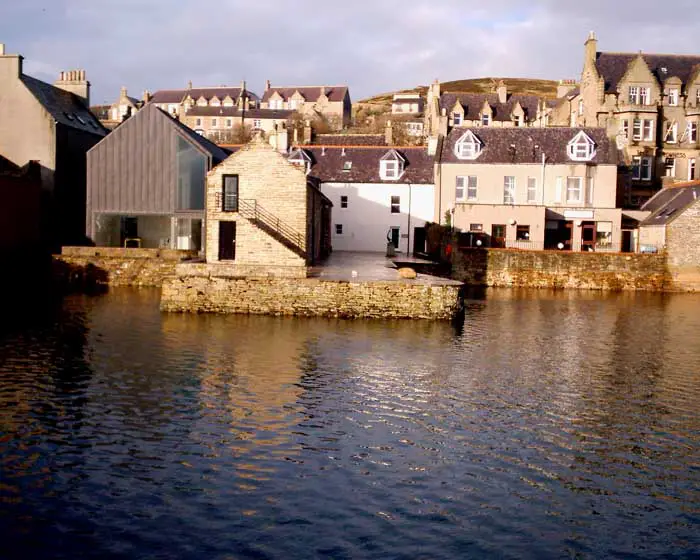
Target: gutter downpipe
408	245
544	162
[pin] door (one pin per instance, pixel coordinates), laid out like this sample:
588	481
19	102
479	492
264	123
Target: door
587	236
227	241
498	236
129	232
419	240
627	243
395	237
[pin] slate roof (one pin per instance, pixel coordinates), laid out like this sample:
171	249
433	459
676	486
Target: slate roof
350	140
612	66
328	163
529	145
179	95
254	113
310	93
670	202
65	107
473	102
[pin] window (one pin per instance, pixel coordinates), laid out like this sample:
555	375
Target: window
466	188
580	106
645	96
486	119
673	97
395	204
574	189
476	227
646	169
670	167
625	128
633	95
198	122
603	235
343	201
339	229
531	189
347	166
508	189
581	147
257	123
648	130
468	146
230	194
637	129
389	169
457	118
671	135
213	123
229	123
293	104
692	132
522	233
691	169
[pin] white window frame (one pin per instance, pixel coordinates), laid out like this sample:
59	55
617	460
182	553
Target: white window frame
229	123
395	207
391	169
633	95
648	130
581	147
532	189
636	168
692	132
673	97
468	146
486	119
457	118
466	188
637	129
644	168
645	96
671	171
578	190
257	123
509	189
625	128
671	136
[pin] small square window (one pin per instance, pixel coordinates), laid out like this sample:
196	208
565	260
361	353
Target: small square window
347	166
213	123
339	229
395	204
522	233
457	118
476	227
343	201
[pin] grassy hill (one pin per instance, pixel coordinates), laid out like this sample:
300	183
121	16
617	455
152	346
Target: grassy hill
541	88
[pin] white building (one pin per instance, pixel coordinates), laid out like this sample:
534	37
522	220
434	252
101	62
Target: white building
380	194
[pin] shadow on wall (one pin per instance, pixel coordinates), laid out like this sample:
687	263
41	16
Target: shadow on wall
69	277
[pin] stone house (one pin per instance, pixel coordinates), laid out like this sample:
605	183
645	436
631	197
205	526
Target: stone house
447	110
673	225
380	194
650	104
531	188
51	125
177	102
329	102
264	215
145	183
123	108
220	124
407	104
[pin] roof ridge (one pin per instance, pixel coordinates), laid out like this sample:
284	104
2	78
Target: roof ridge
322	85
649	54
359	146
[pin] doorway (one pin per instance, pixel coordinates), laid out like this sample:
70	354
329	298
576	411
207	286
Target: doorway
498	236
395	237
227	241
419	237
588	236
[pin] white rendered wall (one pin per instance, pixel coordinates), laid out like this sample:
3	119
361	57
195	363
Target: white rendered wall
368	218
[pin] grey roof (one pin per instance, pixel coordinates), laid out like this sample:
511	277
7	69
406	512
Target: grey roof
310	93
526	145
179	95
612	67
473	103
66	108
254	113
669	203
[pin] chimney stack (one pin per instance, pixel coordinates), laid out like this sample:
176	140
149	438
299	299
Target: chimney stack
502	91
146	96
591	47
388	134
123	92
75	82
268	85
307	132
10	64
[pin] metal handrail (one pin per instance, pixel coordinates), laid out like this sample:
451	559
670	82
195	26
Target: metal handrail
249	208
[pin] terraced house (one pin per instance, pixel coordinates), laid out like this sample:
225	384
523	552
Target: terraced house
650	104
331	103
177	102
532	188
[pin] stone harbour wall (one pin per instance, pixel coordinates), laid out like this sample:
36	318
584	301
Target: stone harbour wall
310	297
559	269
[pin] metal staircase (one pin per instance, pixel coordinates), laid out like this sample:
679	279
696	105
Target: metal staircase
273	226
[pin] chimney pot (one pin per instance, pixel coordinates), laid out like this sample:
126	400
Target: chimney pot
2	49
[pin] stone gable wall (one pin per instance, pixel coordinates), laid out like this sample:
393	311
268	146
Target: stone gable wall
683	248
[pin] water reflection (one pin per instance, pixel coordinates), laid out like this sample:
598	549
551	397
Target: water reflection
548	424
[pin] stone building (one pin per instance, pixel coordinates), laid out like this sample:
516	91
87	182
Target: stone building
650	104
407	104
123	108
447	110
331	103
264	216
380	194
673	225
51	125
223	124
531	188
145	184
177	102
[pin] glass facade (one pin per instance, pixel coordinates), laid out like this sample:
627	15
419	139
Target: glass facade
191	172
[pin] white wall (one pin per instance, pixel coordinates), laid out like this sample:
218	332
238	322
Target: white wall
368	218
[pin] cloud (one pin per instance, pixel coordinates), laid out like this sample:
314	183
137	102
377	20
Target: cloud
371	45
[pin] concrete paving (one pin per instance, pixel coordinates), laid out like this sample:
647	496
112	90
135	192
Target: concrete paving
372	267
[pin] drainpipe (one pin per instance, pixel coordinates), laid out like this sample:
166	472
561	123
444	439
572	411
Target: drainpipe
408	246
544	162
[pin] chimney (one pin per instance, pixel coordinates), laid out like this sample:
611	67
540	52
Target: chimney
123	92
296	136
75	82
502	91
565	87
239	102
246	103
307	132
189	84
146	96
388	134
323	90
267	85
243	87
10	65
591	48
282	139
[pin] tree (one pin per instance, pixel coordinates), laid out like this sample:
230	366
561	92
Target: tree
239	134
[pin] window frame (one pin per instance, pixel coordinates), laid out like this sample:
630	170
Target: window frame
343	201
468	184
456	118
485	119
645	162
509	190
522	232
395	204
338	229
579	189
532	189
468	139
644	95
633	95
227	197
673	97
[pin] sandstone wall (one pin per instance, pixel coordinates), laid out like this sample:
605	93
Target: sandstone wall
683	249
558	269
310	297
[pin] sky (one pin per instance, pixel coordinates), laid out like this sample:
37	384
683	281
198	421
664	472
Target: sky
374	46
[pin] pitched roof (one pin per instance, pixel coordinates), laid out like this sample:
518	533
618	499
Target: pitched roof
310	93
254	113
670	202
612	66
6	166
350	139
329	162
65	107
179	95
529	145
474	102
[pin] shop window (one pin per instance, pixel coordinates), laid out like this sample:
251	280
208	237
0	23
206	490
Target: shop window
522	233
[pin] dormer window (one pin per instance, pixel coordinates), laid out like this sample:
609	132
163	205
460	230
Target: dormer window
457	118
673	97
391	166
468	146
581	148
300	158
486	119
